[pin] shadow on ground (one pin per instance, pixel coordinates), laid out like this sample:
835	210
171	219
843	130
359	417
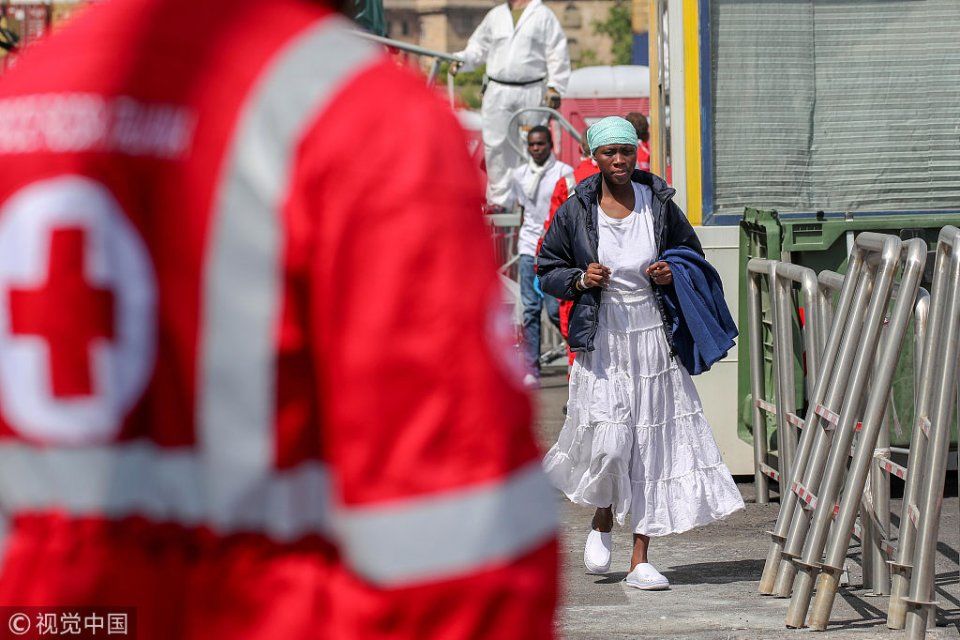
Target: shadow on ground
612	578
721	572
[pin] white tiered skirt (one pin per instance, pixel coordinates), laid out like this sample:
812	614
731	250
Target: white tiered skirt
635	436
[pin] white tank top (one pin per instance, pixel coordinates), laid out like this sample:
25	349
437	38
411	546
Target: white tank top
627	246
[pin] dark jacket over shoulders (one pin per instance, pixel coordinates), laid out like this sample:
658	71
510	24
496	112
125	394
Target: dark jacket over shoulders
572	241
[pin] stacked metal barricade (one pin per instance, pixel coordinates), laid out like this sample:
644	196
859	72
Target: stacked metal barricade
834	463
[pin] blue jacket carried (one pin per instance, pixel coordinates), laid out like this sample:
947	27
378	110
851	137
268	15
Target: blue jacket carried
703	329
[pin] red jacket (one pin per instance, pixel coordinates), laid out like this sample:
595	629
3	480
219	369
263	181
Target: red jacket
226	389
643	156
561	193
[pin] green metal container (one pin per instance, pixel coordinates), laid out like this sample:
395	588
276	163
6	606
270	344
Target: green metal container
822	242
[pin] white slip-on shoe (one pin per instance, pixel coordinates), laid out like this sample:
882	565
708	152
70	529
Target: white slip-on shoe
530	381
646	577
596	553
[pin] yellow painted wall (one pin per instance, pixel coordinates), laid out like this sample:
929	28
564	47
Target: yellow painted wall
691	82
656	97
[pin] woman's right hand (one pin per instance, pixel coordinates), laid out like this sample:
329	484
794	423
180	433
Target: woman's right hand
596	275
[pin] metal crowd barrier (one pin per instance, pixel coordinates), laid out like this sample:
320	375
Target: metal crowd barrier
851	354
912	596
522	116
842	347
874	534
756	268
781	279
838	416
842	516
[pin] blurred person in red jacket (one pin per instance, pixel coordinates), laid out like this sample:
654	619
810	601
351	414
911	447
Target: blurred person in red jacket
561	192
642	125
225	398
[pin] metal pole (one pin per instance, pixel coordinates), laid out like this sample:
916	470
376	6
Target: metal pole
920	605
826	378
921	317
848	217
863	460
830	282
406	46
550	114
786	382
876	503
903	561
882	492
886	449
868	529
881	507
889	248
786	276
813	339
849	323
434	70
867	513
871	529
756	379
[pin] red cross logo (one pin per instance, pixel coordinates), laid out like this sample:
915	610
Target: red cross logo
67	313
78	317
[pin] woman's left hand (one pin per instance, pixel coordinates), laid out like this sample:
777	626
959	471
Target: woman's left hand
660	273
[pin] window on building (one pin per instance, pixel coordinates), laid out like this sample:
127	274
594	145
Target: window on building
572	18
573	47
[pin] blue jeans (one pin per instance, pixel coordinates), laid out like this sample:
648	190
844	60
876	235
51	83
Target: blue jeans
533	303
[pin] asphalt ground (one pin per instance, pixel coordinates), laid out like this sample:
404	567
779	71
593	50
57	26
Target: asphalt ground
714	572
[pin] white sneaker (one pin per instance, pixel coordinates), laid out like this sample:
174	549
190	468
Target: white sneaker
530	381
646	577
596	553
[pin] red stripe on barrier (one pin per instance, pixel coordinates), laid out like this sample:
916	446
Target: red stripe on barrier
795	420
827	414
770	472
769	407
805	495
893	468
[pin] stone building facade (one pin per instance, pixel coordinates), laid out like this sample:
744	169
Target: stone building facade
446	25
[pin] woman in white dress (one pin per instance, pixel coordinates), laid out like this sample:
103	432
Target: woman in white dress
635	439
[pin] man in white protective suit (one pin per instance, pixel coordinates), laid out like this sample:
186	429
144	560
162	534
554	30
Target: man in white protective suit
528	65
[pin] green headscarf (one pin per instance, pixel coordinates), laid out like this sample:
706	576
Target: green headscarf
611	130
